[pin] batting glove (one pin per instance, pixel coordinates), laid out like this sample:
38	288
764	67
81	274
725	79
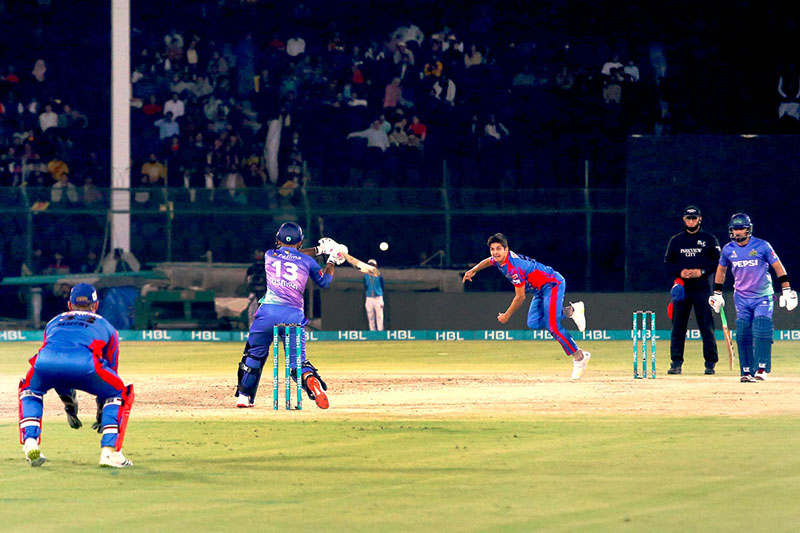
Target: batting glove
337	254
788	299
716	301
326	246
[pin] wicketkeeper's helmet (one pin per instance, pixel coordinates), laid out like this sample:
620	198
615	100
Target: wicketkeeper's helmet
740	221
289	233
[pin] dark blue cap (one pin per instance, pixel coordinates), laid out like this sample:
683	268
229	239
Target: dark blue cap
83	294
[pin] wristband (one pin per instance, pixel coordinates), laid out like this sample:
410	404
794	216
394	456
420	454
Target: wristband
783	279
718	287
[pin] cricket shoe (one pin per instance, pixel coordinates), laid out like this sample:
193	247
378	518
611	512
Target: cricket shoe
747	378
313	385
32	453
244	402
761	375
111	457
579	315
579	367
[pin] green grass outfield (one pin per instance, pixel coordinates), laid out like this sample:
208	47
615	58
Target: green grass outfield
256	470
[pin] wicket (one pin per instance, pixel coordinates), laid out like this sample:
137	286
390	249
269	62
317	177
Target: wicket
291	332
643	334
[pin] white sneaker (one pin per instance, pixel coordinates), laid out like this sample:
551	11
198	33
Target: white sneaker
111	457
243	402
761	375
32	453
578	367
579	315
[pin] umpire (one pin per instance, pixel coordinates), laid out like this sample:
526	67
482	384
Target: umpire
692	257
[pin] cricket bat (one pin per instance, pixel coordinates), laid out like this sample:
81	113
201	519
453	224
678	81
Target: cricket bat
362	266
728	338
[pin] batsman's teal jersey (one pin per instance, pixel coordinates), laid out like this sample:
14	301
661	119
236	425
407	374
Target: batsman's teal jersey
749	265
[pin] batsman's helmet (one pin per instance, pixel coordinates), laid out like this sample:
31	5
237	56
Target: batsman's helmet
740	221
289	233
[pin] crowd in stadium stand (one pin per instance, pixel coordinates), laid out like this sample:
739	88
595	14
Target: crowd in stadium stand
240	103
222	107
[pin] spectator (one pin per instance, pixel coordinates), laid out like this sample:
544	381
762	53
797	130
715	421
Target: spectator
376	137
631	71
295	46
473	58
57	266
48	119
609	66
418	128
393	95
167	127
495	130
154	173
151	108
526	78
612	86
447	95
175	106
564	80
789	92
398	138
90	264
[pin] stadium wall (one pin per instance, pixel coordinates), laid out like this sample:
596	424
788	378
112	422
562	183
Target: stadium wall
478	311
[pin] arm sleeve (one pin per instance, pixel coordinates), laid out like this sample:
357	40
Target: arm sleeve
671	261
769	254
723	259
316	274
712	257
380	279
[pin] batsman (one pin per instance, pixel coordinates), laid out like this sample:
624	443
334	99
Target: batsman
288	268
749	259
80	351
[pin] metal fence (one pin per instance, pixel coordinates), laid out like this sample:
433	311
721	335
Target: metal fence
444	227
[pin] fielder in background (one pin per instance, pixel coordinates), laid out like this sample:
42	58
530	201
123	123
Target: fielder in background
288	269
373	293
256	284
692	257
80	351
548	288
749	259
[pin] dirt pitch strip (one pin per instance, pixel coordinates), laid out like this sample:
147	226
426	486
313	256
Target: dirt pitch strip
461	395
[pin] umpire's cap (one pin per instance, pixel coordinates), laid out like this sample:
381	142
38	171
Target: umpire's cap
83	294
692	211
289	233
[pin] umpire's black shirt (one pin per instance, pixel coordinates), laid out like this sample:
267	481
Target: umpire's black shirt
693	250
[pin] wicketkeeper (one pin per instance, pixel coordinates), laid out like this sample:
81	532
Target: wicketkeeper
80	352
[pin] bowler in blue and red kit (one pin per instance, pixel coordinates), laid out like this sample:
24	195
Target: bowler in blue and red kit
288	269
548	288
80	351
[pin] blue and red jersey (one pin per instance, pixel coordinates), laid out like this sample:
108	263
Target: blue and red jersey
75	331
287	271
522	270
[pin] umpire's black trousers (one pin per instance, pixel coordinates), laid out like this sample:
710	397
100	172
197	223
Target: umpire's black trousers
705	323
